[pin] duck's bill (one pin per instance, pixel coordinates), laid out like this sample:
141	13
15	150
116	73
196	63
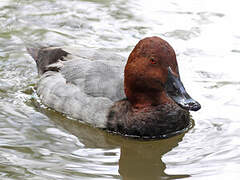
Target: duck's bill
178	94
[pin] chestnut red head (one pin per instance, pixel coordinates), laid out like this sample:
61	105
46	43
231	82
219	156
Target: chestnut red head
152	77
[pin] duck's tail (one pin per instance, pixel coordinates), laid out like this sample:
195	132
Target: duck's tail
45	56
33	52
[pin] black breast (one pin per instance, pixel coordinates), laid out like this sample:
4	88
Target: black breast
155	122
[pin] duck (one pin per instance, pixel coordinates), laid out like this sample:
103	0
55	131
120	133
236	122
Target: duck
142	97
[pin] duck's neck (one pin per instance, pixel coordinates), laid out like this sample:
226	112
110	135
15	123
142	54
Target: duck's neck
141	101
147	120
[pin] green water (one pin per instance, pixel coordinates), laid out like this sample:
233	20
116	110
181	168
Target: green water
38	143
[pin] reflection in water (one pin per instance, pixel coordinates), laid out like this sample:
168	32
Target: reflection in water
139	159
143	160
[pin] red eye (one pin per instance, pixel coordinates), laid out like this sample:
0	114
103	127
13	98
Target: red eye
152	60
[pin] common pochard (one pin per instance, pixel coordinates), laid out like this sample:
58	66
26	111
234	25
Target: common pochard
146	99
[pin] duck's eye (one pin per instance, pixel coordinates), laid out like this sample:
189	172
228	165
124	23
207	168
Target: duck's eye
152	60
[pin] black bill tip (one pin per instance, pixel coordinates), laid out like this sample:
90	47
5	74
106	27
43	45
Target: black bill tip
190	104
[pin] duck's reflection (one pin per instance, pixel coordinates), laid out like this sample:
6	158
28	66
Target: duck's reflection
143	160
139	160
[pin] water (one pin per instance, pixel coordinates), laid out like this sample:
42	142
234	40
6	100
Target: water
38	143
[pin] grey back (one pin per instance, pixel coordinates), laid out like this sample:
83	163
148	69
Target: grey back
85	86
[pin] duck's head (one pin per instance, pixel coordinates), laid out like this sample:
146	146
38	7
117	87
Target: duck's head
151	76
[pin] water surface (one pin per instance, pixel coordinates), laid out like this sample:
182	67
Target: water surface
38	143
